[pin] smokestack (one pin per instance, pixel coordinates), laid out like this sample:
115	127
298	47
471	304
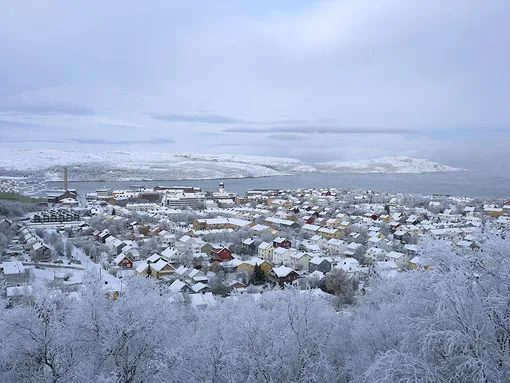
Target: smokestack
65	178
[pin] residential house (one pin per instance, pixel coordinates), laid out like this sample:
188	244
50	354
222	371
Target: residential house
400	259
171	255
180	287
329	233
351	266
375	254
281	255
221	254
318	240
378	243
123	261
185	244
161	269
14	273
248	266
197	276
265	251
142	269
300	260
281	242
283	275
42	252
249	245
321	264
353	249
335	246
356	238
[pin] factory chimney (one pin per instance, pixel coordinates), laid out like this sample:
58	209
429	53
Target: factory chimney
65	178
222	187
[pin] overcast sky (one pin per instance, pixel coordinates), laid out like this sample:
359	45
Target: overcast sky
316	80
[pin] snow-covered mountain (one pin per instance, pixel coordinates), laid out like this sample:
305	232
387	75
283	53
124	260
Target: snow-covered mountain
386	165
138	165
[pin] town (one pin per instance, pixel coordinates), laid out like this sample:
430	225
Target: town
205	245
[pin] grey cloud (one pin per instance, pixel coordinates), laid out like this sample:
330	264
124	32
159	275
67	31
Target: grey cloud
45	109
321	130
17	124
202	118
152	141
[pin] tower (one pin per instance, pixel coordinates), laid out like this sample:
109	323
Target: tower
65	178
222	187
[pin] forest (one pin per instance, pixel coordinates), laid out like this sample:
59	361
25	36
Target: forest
450	323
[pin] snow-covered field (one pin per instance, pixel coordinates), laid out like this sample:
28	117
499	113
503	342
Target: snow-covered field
140	165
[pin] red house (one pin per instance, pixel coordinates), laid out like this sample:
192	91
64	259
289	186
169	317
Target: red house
122	261
309	220
281	242
221	255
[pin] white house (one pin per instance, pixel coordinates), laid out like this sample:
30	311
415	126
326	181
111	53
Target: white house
400	259
300	260
265	251
376	254
336	246
280	255
185	244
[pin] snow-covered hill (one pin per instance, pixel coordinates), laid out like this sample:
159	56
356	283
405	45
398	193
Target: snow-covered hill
386	165
138	165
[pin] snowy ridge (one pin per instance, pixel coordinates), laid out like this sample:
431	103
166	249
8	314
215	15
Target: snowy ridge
400	164
141	165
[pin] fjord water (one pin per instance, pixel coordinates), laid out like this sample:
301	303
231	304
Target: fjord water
463	183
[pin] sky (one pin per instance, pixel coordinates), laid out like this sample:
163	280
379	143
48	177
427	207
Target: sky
314	80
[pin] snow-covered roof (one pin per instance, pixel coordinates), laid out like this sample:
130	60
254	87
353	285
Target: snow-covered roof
177	285
19	291
319	260
118	259
206	299
197	287
142	267
12	267
282	271
395	255
159	265
154	258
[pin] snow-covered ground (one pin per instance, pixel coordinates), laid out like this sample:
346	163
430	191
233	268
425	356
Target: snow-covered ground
140	165
386	165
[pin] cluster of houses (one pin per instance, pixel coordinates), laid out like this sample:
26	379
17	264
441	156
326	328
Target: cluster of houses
294	234
28	242
284	235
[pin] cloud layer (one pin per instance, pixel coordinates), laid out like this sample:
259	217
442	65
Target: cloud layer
340	79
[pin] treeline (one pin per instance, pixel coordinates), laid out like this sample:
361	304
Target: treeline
447	324
10	209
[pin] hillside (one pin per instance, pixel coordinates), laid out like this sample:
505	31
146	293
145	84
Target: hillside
140	165
386	165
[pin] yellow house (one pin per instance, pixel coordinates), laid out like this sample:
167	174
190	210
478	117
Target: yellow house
494	212
273	231
386	218
248	266
417	264
279	202
329	233
142	269
161	269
